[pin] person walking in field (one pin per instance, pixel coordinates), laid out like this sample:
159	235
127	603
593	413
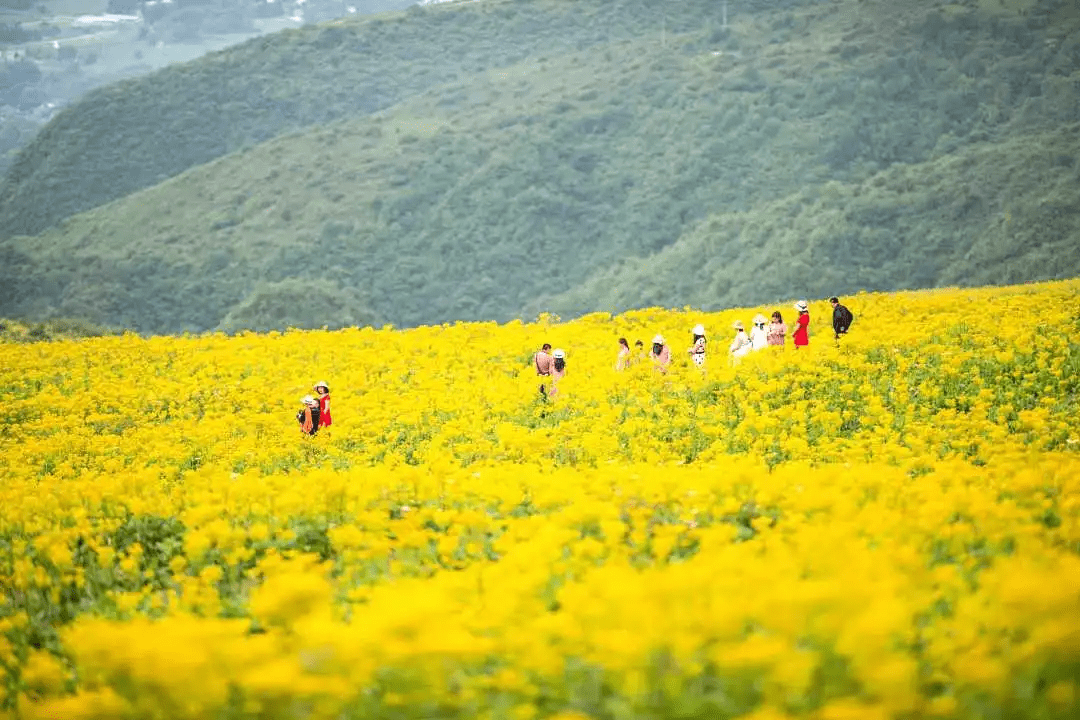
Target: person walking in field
661	353
322	390
558	371
758	336
542	361
777	329
802	325
697	349
740	345
623	360
308	417
841	318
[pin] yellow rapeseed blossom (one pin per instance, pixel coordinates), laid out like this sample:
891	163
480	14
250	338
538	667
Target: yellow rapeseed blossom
888	527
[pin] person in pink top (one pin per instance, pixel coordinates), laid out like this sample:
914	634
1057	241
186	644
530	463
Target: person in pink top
802	325
661	353
777	331
623	360
542	362
558	371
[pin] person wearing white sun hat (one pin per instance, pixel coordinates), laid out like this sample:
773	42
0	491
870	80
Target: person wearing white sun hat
741	344
558	370
308	417
802	325
322	391
697	350
759	338
661	353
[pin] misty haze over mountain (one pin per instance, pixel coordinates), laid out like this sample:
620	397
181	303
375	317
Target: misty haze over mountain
54	51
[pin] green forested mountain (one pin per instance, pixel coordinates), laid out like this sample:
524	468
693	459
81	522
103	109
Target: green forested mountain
136	133
499	158
986	214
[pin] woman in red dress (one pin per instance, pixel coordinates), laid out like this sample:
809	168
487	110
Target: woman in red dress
323	391
802	325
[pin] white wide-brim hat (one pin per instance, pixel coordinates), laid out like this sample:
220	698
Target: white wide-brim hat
308	400
801	306
322	383
699	329
760	319
658	339
559	354
738	325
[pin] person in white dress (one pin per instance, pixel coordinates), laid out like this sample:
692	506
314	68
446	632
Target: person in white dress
759	337
697	350
740	346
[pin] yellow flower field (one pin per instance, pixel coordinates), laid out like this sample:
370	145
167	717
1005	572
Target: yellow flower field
885	529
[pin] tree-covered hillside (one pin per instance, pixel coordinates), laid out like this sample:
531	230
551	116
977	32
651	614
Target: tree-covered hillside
505	157
53	53
985	214
136	133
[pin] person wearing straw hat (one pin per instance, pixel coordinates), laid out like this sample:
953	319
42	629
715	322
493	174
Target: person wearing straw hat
759	338
558	370
322	390
802	325
661	353
697	350
741	344
308	417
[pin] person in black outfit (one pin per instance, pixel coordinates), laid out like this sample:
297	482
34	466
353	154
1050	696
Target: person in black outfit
841	318
308	417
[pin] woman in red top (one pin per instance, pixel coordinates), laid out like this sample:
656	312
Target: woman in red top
802	325
323	391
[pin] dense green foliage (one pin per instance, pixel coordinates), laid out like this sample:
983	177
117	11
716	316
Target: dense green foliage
986	214
135	133
12	331
494	159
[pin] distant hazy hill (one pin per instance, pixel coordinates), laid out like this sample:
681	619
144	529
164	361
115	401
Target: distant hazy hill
498	158
136	133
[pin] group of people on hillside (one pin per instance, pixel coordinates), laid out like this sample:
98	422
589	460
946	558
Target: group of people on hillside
551	365
315	411
774	331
